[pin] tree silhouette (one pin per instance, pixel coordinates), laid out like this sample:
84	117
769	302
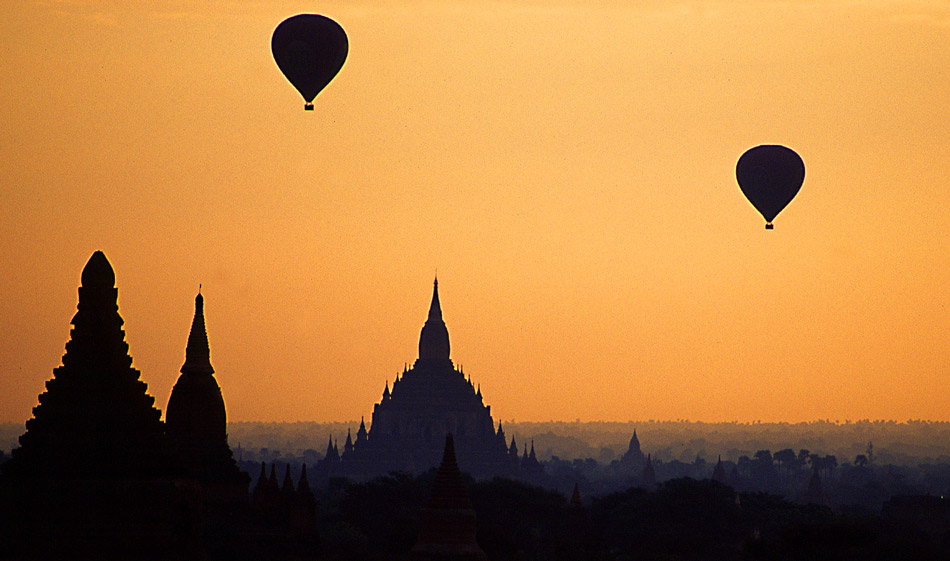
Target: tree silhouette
786	459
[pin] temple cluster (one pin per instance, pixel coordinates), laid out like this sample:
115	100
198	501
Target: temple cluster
98	473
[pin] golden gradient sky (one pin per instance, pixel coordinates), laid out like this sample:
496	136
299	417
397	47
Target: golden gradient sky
568	167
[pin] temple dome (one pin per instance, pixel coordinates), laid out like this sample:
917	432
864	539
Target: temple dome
98	272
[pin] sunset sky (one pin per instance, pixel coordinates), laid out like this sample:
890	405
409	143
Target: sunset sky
568	168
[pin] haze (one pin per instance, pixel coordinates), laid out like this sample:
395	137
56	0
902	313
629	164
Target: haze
566	167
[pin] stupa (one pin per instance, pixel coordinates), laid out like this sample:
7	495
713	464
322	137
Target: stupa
196	421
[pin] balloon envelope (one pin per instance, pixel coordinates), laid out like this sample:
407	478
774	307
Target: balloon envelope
770	176
309	49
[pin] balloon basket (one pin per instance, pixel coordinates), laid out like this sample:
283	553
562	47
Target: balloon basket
308	107
769	226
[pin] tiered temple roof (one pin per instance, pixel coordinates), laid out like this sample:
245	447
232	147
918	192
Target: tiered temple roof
425	402
96	418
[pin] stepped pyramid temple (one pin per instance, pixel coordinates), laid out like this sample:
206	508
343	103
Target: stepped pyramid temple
428	401
95	418
89	479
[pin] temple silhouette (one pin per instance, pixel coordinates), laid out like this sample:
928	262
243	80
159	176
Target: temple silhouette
95	419
448	521
92	477
431	399
196	423
98	475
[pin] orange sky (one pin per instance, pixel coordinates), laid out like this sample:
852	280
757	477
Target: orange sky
568	167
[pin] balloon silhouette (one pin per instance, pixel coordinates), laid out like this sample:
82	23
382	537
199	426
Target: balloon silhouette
309	49
770	176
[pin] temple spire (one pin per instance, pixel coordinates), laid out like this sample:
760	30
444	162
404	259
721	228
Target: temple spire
576	497
435	309
434	340
448	523
198	352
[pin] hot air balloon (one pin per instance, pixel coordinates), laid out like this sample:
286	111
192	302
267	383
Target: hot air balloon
309	49
770	176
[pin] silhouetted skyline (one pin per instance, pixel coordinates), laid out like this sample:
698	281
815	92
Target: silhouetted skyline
569	172
99	475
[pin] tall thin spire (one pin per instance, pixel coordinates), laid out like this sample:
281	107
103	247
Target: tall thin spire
195	418
434	340
435	309
198	352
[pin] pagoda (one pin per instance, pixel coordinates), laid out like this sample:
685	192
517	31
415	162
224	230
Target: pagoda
90	479
633	456
719	473
196	421
448	521
96	418
427	401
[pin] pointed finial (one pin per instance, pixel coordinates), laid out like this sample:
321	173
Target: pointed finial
435	309
198	351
